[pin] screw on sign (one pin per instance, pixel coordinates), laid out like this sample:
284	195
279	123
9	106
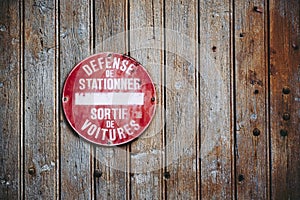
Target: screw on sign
109	99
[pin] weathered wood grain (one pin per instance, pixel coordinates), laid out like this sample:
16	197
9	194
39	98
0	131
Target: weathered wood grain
111	163
285	98
219	66
252	155
40	134
181	90
147	46
216	107
76	155
10	93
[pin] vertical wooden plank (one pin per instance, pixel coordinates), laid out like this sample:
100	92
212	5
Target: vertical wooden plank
285	98
181	99
76	154
147	45
216	105
110	19
251	99
10	92
40	101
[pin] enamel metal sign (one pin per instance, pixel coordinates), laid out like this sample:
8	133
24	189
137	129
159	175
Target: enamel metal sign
109	99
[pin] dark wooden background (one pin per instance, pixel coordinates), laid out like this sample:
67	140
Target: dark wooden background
227	75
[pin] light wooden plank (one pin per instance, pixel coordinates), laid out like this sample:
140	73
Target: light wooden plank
181	99
76	155
216	100
147	47
40	134
252	155
285	98
111	164
10	92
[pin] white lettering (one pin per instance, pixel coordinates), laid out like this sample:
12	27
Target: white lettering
82	85
112	134
128	129
92	130
93	65
108	62
130	69
100	63
87	70
104	133
123	67
116	63
86	124
134	125
108	113
121	133
110	84
93	113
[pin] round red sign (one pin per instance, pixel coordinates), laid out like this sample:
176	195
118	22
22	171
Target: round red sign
109	99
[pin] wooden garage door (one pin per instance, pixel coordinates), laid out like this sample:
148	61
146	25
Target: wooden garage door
227	76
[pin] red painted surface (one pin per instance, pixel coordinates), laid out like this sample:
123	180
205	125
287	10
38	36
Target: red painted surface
109	99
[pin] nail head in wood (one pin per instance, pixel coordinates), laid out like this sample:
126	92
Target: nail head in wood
31	170
214	48
295	46
283	132
241	178
167	175
258	9
256	132
286	90
97	173
286	116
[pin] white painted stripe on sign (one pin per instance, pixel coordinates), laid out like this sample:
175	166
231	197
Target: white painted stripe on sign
109	98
